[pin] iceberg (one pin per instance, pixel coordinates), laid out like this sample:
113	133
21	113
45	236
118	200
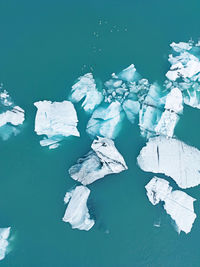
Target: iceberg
160	112
4	235
85	88
105	121
102	160
77	213
184	72
173	158
56	120
11	116
177	204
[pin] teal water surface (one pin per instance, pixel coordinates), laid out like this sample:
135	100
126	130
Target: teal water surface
44	47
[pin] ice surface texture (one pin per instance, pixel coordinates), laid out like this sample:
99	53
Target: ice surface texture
77	213
56	120
4	235
102	160
11	116
177	204
173	158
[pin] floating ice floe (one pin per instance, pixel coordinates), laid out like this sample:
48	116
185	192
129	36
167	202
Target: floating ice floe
77	213
86	89
177	204
4	235
11	116
173	158
102	160
56	120
184	72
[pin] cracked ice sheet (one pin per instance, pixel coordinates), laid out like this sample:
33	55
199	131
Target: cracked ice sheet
173	158
177	204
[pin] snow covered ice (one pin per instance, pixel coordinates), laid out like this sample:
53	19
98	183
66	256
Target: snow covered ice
11	116
86	89
4	235
173	158
177	204
77	213
102	160
56	120
184	72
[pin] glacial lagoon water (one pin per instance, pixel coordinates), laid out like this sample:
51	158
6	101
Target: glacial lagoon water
45	46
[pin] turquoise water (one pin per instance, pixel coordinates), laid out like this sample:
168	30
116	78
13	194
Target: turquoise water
45	46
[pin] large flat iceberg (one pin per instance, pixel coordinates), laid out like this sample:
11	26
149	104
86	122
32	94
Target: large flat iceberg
173	158
86	89
102	160
4	235
77	213
56	120
11	116
177	204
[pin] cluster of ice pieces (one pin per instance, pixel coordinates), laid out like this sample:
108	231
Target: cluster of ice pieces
184	72
4	235
56	120
128	95
11	116
173	158
77	213
102	160
177	204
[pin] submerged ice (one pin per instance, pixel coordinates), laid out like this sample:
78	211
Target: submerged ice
11	116
173	158
4	235
77	213
56	120
177	204
102	160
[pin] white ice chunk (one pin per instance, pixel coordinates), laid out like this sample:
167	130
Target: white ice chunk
15	116
177	204
128	74
4	235
86	88
77	213
179	47
11	116
170	117
172	158
56	120
102	160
